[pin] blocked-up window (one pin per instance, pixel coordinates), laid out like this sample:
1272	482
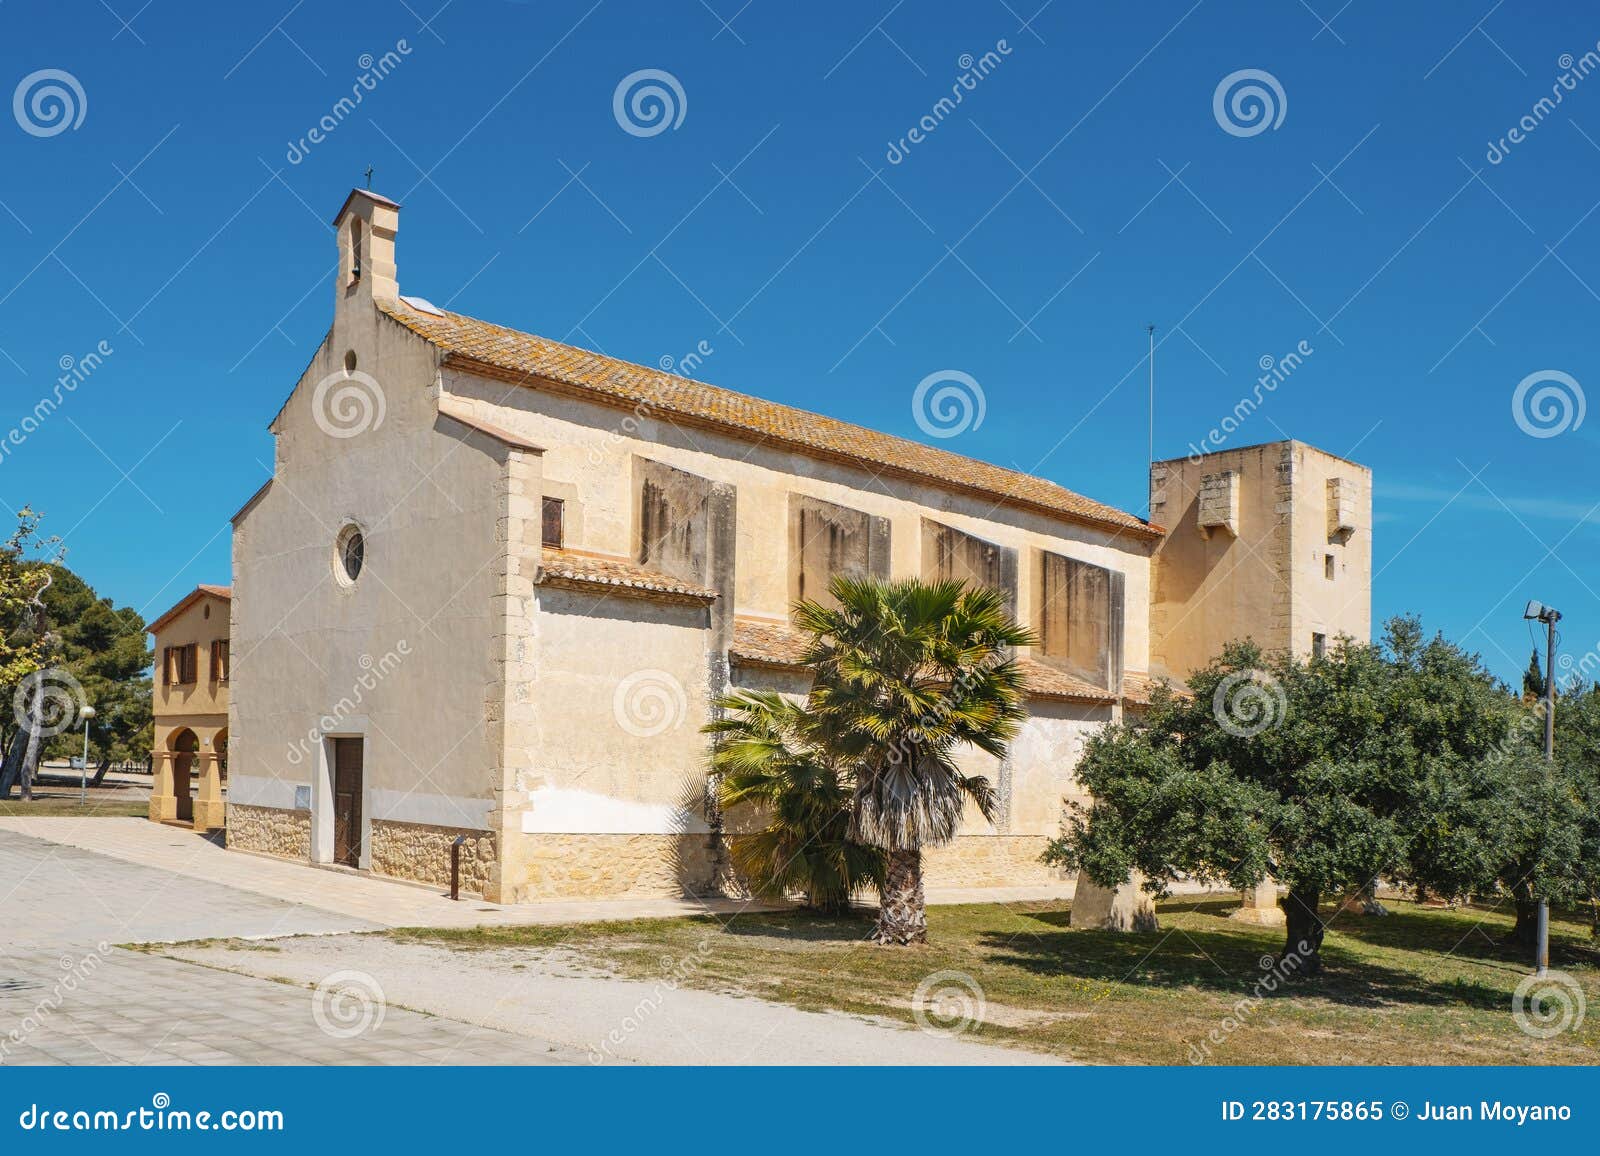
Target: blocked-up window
827	539
1080	617
686	524
947	554
552	522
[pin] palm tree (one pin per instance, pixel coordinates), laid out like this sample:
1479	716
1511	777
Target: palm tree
907	675
769	753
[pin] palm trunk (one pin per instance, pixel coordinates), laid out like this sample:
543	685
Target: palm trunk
902	917
1302	951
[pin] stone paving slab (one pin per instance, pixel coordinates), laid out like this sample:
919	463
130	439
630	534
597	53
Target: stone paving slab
68	995
128	1007
54	893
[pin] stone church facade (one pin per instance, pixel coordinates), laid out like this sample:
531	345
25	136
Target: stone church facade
495	582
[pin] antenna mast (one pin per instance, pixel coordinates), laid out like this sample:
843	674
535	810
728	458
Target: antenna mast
1151	330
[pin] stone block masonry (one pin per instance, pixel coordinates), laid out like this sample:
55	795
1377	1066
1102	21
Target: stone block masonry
270	829
420	852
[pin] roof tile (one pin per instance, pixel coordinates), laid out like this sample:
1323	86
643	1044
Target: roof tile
527	359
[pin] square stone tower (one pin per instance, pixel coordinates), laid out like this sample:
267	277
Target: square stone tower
1271	542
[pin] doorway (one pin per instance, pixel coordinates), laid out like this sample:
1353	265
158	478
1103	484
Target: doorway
347	782
185	745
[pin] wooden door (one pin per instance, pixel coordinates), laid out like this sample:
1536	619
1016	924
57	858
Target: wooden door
347	802
183	784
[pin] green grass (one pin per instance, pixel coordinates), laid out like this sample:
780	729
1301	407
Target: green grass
58	806
1422	985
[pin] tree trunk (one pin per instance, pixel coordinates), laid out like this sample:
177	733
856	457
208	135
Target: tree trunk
1302	950
1526	930
902	917
100	772
20	758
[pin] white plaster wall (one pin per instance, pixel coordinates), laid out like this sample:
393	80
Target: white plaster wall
621	692
305	646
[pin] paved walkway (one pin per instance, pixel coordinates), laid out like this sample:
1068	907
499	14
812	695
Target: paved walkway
384	902
308	987
68	995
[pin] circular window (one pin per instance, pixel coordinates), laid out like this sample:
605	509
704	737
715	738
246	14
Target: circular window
350	361
351	552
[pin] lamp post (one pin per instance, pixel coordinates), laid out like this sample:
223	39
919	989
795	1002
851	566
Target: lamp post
1549	615
86	714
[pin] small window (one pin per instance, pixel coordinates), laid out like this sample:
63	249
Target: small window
219	660
1319	646
351	551
1327	567
181	665
553	527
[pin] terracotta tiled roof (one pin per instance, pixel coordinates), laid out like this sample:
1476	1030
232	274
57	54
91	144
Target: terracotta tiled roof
615	576
187	601
1046	681
766	643
757	643
522	358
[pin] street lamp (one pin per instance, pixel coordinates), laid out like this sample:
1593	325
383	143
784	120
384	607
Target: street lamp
85	714
1549	615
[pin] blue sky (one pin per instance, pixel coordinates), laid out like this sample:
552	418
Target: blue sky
1083	188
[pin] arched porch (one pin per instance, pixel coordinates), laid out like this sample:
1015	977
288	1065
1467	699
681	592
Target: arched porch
190	764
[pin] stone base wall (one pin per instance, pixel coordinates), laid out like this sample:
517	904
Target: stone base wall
420	852
553	866
990	861
270	829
